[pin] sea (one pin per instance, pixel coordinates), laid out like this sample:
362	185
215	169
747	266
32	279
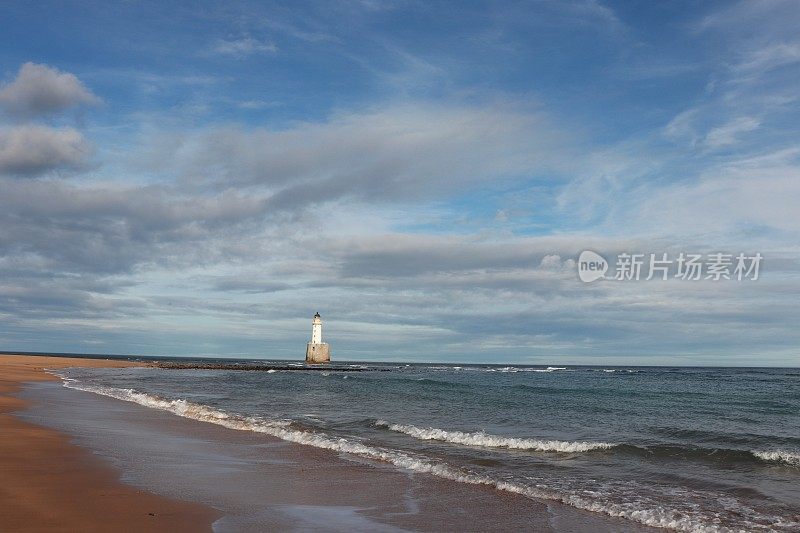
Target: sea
686	449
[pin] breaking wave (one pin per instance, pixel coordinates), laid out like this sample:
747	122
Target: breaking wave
779	456
549	369
513	369
649	513
480	438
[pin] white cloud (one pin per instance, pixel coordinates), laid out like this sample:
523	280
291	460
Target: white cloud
728	133
770	57
553	262
682	126
241	48
720	204
256	104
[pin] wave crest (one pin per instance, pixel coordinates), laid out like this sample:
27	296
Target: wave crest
480	438
779	456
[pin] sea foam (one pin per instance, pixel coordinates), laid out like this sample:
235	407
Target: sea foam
548	369
513	369
779	456
480	438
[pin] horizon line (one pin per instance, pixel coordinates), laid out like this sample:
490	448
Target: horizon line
300	359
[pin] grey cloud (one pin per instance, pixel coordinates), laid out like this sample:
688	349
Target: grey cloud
30	150
487	299
392	154
238	284
82	229
405	256
400	255
42	90
35	296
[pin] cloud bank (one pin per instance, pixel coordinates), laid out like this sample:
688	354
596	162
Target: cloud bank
427	189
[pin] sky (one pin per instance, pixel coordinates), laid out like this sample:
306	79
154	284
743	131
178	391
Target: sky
198	179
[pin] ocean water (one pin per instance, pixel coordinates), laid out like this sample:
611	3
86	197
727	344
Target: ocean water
687	449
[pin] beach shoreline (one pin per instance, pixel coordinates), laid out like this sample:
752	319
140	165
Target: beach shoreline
50	484
99	444
269	482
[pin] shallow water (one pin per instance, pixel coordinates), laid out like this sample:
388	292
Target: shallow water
681	448
261	483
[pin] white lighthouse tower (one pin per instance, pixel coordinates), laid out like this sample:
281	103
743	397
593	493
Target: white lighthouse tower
316	330
316	350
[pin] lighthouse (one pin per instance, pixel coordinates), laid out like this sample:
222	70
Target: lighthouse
316	350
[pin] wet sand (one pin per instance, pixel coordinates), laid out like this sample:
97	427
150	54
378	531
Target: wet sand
255	481
49	484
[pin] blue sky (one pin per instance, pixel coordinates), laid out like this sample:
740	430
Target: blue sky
199	179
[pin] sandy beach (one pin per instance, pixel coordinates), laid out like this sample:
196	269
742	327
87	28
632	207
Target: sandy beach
67	450
115	445
49	484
